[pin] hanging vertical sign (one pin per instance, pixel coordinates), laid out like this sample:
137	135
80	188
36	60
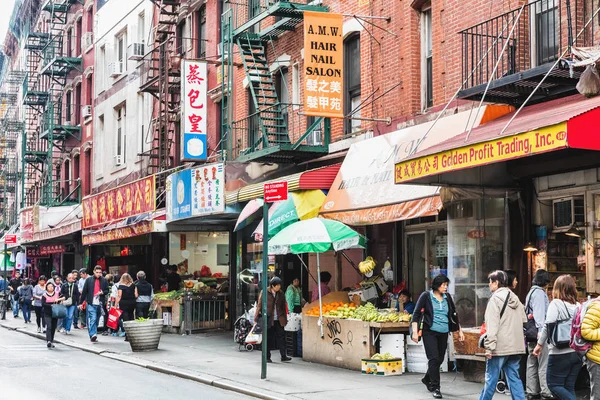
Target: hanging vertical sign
193	126
323	64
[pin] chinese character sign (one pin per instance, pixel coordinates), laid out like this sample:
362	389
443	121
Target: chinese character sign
323	64
208	185
193	97
181	203
125	201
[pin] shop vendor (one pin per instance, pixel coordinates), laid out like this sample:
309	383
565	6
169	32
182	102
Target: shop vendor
405	299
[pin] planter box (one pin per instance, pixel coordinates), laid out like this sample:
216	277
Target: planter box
145	335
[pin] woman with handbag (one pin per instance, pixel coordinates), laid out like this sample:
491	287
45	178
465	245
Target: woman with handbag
434	318
25	297
126	298
51	299
70	291
38	292
536	307
564	363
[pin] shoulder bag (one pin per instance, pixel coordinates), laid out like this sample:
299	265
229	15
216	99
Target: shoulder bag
69	302
59	311
530	328
559	332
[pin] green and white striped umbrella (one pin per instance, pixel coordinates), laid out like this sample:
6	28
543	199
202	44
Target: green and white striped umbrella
315	235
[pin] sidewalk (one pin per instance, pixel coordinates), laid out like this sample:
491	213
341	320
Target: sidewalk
214	359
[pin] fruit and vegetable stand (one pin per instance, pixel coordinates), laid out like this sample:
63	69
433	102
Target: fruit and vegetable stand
351	332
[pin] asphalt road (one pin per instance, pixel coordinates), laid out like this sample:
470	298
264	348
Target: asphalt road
28	370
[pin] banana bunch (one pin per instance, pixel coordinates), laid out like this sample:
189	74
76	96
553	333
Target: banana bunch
386	356
366	266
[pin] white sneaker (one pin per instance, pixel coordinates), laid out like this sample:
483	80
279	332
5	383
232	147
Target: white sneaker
62	330
66	332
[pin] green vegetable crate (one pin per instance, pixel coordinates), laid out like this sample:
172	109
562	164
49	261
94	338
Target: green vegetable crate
390	367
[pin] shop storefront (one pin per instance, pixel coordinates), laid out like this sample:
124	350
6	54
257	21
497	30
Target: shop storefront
512	205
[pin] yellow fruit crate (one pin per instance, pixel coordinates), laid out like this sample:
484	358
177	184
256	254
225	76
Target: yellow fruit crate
382	367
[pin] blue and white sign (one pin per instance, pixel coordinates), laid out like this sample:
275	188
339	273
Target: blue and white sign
181	194
194	104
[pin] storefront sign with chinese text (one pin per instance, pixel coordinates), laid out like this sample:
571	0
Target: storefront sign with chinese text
46	250
323	64
125	201
26	227
501	149
33	252
126	232
201	188
193	95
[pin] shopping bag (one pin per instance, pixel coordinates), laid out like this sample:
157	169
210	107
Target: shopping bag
294	322
113	318
59	311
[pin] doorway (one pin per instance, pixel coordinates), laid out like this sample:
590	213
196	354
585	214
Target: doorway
416	261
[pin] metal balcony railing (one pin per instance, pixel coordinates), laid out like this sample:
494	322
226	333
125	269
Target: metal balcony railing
542	32
301	131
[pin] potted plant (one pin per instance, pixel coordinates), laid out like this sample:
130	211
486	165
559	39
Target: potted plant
143	333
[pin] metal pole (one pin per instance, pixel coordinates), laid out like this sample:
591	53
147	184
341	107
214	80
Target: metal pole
265	271
320	295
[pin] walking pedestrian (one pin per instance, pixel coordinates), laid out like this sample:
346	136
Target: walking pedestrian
276	318
38	292
590	331
25	297
58	286
75	274
14	285
126	298
436	310
504	342
536	304
70	291
49	298
145	295
95	289
564	363
83	275
513	281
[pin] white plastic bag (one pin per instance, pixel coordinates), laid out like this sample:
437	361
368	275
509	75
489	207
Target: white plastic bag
589	82
294	322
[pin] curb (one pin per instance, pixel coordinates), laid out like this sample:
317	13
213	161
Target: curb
220	383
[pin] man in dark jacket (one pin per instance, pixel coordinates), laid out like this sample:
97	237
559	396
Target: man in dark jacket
70	291
14	285
95	289
145	295
276	317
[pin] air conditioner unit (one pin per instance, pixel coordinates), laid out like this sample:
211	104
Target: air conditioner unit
115	68
315	138
136	51
86	111
118	160
567	212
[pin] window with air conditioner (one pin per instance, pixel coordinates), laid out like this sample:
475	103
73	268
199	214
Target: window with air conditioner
86	111
315	138
136	51
567	212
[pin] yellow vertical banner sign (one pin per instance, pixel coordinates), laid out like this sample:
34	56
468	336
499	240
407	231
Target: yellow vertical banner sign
323	65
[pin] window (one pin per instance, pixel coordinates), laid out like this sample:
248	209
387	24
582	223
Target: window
546	23
352	82
253	123
89	101
67	180
121	51
201	34
75	169
68	108
296	85
103	71
121	142
69	42
141	28
253	10
99	151
79	33
77	110
281	86
426	60
88	173
90	20
183	36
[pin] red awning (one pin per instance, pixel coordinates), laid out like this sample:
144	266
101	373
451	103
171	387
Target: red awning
321	178
560	124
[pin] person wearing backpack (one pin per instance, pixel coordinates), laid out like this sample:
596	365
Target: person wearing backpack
564	363
590	331
536	306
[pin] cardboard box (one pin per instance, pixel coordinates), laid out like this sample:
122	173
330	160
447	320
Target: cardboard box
365	293
382	367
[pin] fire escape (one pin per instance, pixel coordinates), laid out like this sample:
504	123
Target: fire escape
272	131
160	76
11	127
505	58
59	119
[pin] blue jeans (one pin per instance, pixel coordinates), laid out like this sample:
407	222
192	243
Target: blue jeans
510	366
14	304
93	318
562	374
26	306
68	320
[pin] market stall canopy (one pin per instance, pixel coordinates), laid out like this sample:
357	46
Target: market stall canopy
248	212
318	178
528	147
364	193
301	205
